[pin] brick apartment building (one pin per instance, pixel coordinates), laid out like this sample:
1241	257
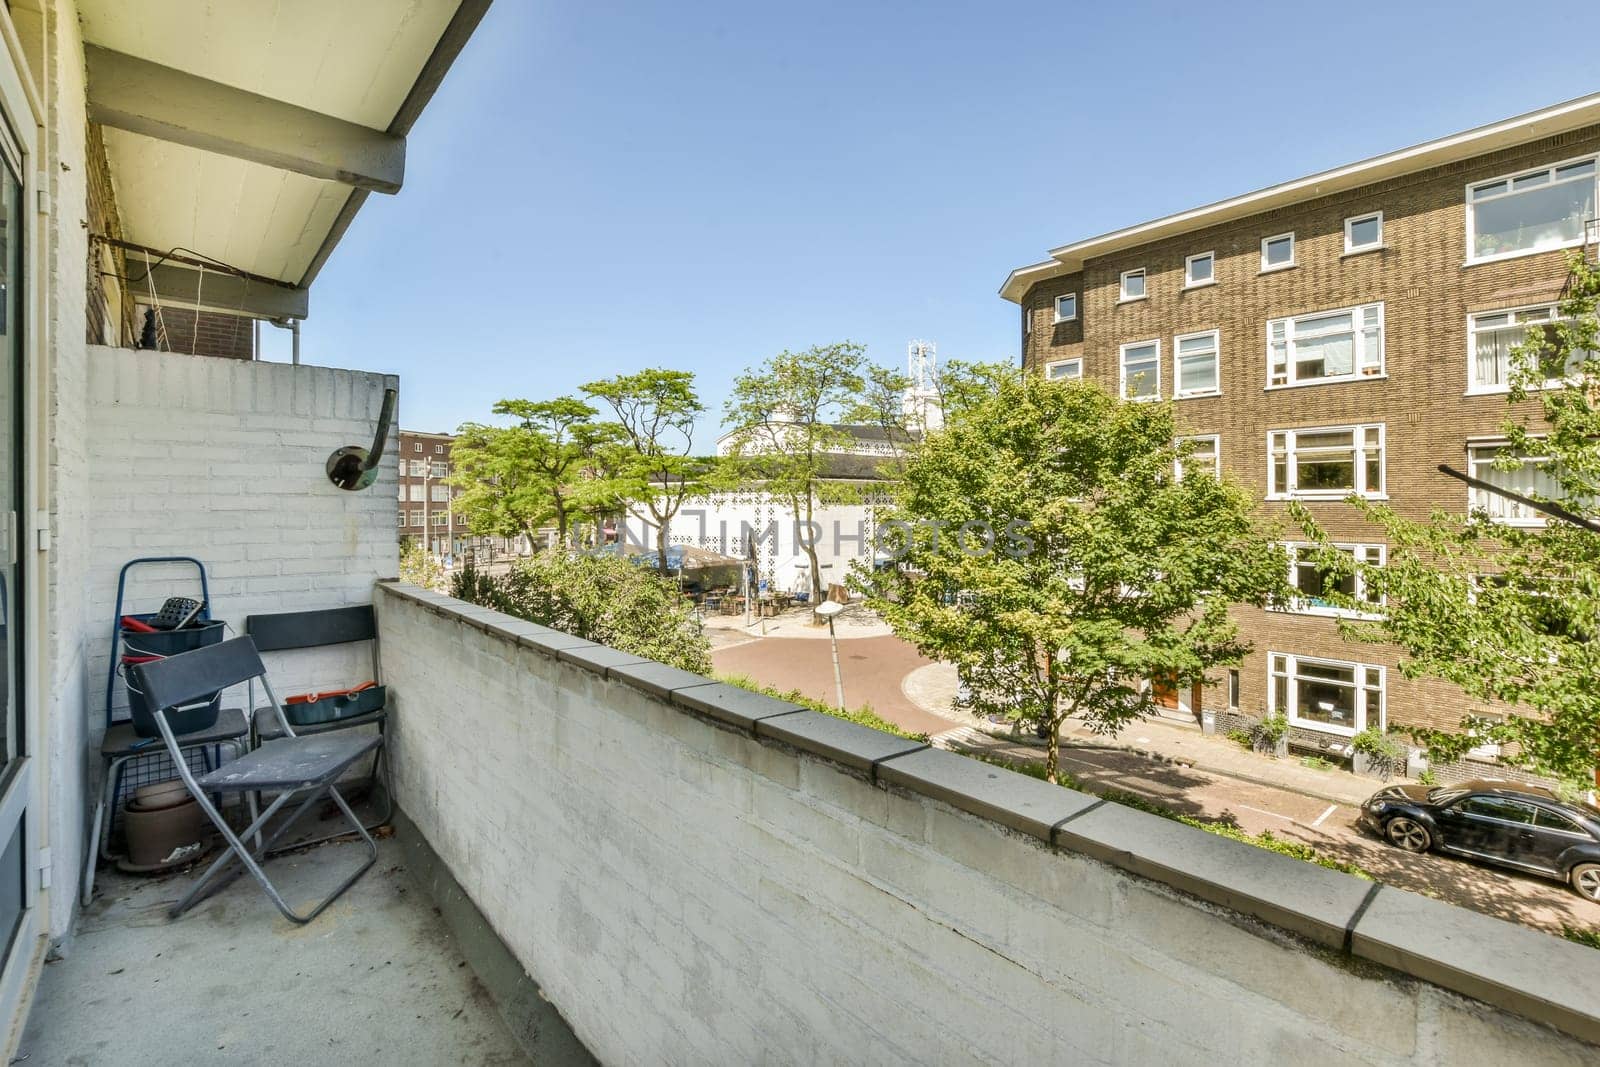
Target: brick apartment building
1345	332
426	511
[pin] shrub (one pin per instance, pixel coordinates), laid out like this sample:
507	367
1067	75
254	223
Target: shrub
864	715
599	598
419	567
1266	734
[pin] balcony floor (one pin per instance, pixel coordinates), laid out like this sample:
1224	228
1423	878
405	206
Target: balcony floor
376	978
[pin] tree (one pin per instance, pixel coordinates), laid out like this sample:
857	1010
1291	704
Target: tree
881	402
418	566
1510	614
783	416
600	598
1049	550
654	465
515	479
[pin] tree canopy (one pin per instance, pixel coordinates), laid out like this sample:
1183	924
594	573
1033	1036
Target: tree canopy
518	478
1050	549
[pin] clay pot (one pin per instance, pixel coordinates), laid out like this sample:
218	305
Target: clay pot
165	828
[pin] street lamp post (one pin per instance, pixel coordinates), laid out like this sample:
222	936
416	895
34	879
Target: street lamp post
828	609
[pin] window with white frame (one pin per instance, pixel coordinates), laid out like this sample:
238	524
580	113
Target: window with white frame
1277	252
1203	455
1195	371
441	518
1492	335
1027	320
416	494
1531	477
439	493
1064	370
1363	232
438	450
1325	462
417	467
1530	212
402	518
1133	284
1066	307
440	470
1317	587
1141	370
1325	694
1325	346
416	518
1200	269
416	446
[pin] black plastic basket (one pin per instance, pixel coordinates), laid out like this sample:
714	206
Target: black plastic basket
161	644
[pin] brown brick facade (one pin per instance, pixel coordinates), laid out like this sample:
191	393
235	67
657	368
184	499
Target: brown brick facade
1427	290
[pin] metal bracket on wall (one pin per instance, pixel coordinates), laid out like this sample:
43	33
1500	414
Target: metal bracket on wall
353	467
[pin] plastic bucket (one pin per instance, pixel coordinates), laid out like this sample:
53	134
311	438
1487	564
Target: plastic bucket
161	644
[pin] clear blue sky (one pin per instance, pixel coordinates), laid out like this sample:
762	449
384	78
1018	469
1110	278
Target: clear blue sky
601	186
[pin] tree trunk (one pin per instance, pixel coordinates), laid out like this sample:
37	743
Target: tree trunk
811	554
661	547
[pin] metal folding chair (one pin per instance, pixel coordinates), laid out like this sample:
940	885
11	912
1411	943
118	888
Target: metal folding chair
288	631
289	766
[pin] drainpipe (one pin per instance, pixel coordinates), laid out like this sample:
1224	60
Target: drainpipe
293	326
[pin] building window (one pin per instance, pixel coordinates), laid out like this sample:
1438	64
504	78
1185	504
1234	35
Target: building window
1133	284
1316	587
1530	212
1200	270
416	518
439	493
1027	321
1064	370
1141	370
1325	346
438	450
1363	233
416	446
1195	357
1277	252
440	470
416	493
1066	307
1326	463
1204	456
1492	336
402	518
1233	688
1530	478
441	518
1323	694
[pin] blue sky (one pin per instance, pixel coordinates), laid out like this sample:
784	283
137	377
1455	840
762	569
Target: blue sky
599	186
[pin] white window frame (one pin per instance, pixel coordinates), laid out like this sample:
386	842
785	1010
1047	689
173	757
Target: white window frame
441	518
1469	202
1358	433
1474	387
1074	361
1066	318
1027	321
1216	454
1350	247
1266	267
1363	553
1365	365
1363	676
1122	285
1188	270
1478	498
438	450
417	517
402	519
416	446
1122	369
1216	356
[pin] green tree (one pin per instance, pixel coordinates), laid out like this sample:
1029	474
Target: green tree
418	566
1510	614
1050	552
652	465
784	415
518	478
599	598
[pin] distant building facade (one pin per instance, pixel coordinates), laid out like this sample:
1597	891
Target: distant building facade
427	512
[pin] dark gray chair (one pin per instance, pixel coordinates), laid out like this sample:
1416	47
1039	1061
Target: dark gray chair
290	766
288	631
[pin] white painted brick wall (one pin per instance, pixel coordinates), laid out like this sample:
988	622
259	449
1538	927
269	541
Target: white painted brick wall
224	460
684	894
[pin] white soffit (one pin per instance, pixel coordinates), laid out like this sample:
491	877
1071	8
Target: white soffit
355	60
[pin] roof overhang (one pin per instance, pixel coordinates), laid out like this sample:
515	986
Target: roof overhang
1546	122
248	133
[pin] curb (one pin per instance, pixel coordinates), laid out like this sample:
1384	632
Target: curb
1199	765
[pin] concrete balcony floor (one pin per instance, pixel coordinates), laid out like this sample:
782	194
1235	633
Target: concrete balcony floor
376	978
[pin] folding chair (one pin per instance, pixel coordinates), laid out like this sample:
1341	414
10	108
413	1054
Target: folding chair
288	766
297	630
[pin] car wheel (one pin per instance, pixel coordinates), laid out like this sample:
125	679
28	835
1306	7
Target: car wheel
1409	834
1586	880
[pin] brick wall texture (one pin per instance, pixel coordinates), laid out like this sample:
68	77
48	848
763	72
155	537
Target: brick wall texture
224	460
1427	290
684	893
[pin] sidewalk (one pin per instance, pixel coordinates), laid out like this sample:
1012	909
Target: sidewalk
933	688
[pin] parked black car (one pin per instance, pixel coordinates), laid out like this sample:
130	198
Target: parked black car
1501	822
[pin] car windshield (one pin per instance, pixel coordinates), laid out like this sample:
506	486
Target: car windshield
1442	795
